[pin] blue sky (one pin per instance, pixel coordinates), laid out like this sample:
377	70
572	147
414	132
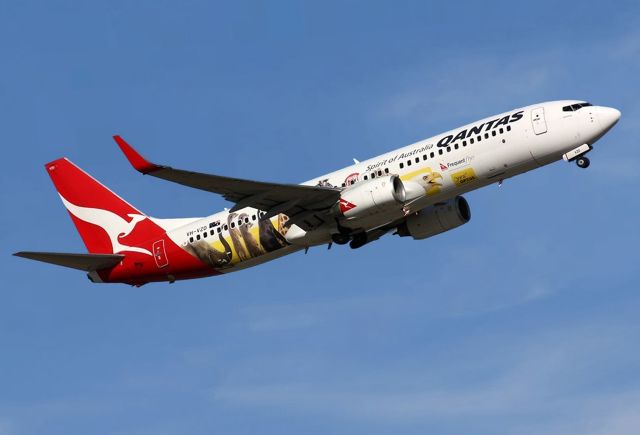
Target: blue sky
523	321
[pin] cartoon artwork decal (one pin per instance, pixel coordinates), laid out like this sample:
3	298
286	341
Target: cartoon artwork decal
433	181
429	179
352	178
250	241
209	254
247	237
270	238
236	237
324	183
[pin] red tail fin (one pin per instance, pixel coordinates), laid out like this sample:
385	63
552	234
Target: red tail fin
106	222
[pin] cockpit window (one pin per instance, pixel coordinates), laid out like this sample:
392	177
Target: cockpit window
575	107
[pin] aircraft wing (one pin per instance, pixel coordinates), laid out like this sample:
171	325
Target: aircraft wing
306	206
86	262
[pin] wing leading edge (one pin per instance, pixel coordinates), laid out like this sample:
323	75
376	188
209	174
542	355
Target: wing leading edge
306	206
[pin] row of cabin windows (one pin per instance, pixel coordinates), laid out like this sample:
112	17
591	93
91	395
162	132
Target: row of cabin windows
372	175
431	155
379	173
456	146
224	227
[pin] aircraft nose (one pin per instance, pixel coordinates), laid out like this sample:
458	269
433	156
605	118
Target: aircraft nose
608	117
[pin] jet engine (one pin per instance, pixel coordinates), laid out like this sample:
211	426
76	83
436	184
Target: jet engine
375	196
436	219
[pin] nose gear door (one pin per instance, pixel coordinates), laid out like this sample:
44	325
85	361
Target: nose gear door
159	254
537	119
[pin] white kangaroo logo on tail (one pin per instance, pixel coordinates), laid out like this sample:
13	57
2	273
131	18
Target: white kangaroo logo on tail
111	223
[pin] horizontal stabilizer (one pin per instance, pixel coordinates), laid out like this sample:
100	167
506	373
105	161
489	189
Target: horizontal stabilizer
86	262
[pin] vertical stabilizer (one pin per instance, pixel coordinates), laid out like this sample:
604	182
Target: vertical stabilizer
107	223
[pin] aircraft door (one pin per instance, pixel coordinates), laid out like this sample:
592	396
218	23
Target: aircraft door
538	121
159	254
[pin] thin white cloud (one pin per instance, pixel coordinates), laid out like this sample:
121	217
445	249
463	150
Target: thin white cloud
6	427
621	169
604	414
279	317
626	47
546	381
466	86
621	417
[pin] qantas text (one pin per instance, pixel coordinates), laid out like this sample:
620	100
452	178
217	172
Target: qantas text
477	129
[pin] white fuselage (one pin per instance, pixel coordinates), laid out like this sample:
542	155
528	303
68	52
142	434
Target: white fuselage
449	164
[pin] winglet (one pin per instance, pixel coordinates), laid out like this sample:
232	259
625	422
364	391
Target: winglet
137	161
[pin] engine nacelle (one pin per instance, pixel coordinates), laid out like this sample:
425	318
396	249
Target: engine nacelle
371	197
436	219
299	237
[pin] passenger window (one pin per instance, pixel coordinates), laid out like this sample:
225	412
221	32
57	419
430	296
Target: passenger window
464	143
432	155
493	133
366	178
233	224
479	138
204	234
448	149
501	130
417	159
213	231
408	162
219	230
198	237
401	165
486	135
253	217
343	185
190	239
440	151
471	141
508	128
246	220
379	173
373	175
455	146
424	157
386	170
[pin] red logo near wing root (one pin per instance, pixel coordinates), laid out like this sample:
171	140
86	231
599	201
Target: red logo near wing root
345	205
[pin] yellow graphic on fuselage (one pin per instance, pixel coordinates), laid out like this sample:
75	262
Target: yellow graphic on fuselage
464	176
427	177
246	238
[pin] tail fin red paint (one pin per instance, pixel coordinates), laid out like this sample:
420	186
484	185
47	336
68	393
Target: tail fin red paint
107	223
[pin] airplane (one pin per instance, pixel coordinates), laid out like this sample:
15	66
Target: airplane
415	191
